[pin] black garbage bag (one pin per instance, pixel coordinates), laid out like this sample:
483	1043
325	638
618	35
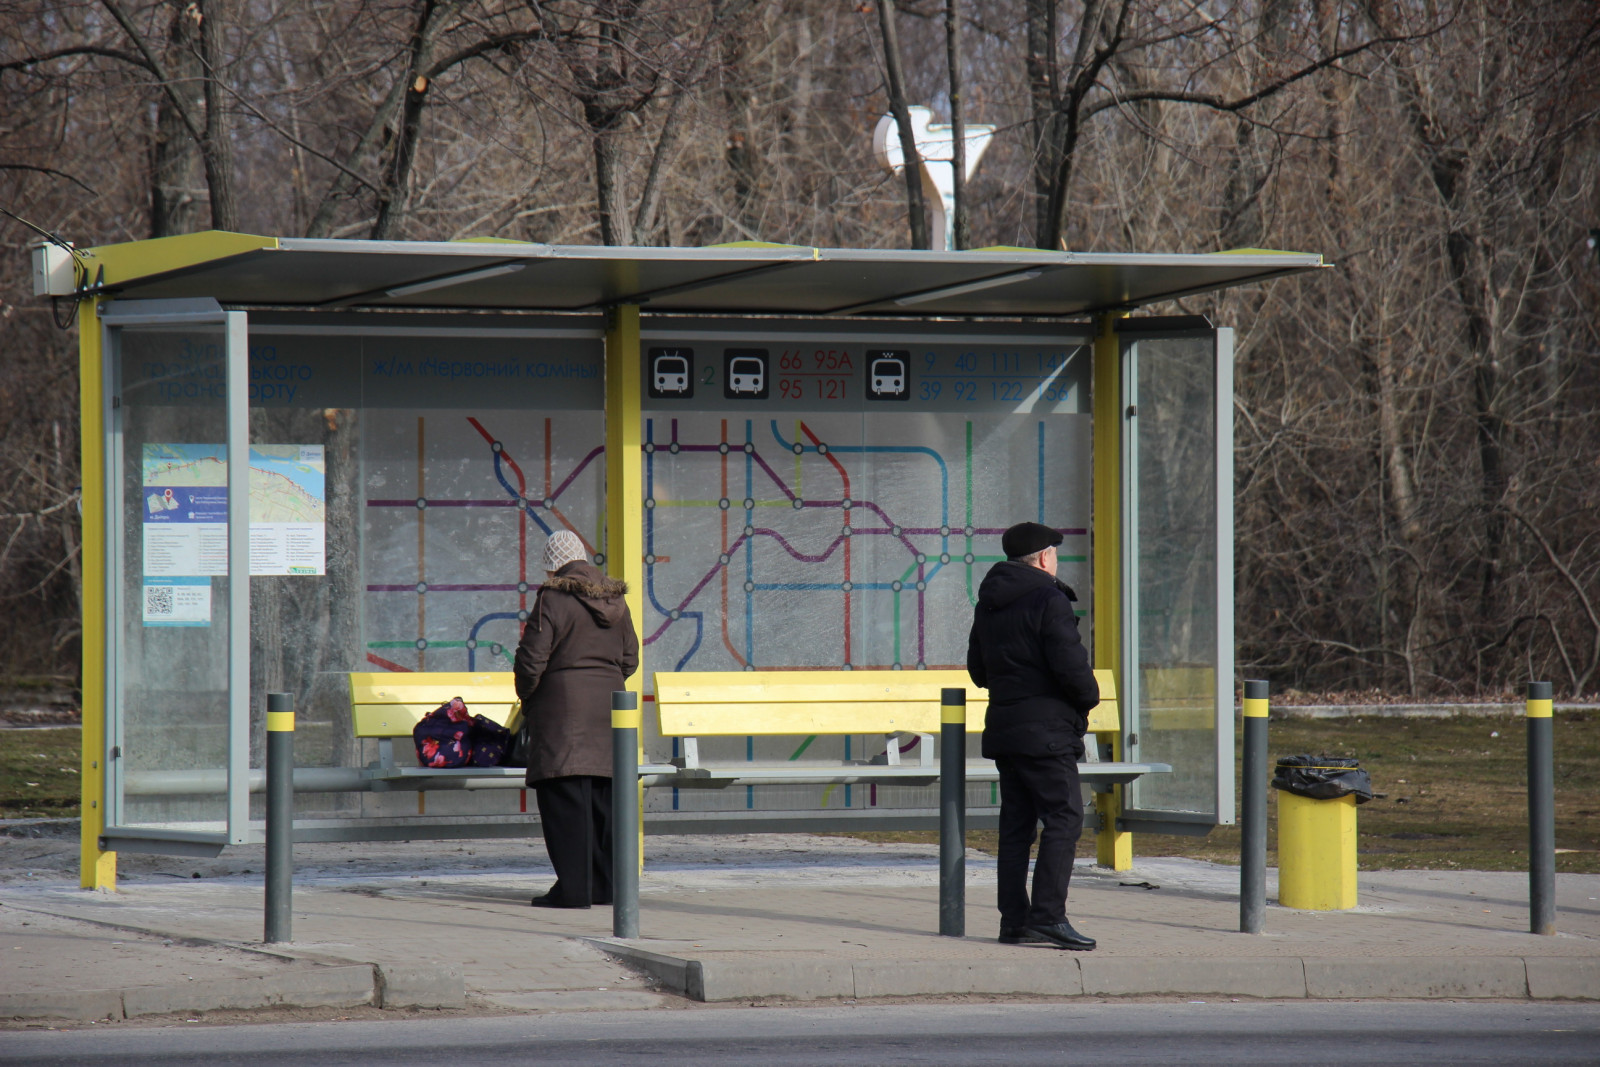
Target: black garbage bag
1323	778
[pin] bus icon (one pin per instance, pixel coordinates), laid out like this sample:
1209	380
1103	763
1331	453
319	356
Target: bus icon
671	373
888	375
745	374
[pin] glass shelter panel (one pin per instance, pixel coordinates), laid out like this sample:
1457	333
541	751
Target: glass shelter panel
419	468
834	500
475	450
1179	632
170	585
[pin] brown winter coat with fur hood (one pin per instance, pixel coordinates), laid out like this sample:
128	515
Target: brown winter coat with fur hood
577	647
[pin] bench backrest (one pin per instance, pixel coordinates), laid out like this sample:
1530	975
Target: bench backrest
389	704
736	703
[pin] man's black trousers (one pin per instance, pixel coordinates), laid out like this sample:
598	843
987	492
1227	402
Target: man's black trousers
1037	790
575	815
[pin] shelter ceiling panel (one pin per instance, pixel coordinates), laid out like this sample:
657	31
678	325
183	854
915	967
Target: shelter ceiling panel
750	280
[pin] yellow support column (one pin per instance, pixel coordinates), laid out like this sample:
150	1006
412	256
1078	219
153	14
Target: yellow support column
96	869
625	483
1113	847
625	464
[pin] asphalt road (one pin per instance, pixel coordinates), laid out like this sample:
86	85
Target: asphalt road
1282	1034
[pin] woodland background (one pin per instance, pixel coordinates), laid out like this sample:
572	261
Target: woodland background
1417	457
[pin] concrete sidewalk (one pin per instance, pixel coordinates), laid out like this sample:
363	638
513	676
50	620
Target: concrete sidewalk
767	917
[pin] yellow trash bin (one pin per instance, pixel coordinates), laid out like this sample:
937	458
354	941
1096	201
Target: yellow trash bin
1317	835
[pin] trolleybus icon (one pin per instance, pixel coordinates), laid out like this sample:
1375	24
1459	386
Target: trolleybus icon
671	373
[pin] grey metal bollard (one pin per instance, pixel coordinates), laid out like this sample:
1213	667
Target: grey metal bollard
625	722
1253	811
280	818
1541	809
953	812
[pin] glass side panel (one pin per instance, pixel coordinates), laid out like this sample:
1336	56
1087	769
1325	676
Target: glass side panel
171	591
1174	638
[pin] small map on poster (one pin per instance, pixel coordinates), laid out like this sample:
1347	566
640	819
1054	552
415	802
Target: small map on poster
288	509
185	510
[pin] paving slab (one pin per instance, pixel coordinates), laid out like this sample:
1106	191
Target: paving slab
761	918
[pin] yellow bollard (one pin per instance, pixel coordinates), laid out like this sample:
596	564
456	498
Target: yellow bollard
1316	852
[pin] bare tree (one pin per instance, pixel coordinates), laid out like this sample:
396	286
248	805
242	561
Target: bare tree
962	227
899	107
1416	494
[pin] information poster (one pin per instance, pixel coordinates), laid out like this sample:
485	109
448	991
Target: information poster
185	509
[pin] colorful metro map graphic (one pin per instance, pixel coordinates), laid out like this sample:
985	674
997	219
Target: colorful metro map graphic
827	539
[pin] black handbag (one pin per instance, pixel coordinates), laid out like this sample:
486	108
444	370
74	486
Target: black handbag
521	745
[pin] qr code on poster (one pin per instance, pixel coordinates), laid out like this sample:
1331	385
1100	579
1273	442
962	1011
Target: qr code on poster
157	600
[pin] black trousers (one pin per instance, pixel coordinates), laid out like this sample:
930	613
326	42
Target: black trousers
1037	791
575	815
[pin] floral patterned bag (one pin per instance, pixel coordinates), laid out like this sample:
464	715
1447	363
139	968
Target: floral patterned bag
444	736
489	742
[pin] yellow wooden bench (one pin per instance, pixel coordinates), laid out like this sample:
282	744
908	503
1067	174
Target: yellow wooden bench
692	705
387	705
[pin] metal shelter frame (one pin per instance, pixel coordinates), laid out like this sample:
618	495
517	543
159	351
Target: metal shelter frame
219	278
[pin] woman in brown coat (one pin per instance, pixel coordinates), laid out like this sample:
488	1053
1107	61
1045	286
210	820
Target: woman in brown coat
577	647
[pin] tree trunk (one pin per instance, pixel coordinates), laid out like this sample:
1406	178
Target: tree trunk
1044	94
176	176
393	191
218	144
610	179
899	107
961	231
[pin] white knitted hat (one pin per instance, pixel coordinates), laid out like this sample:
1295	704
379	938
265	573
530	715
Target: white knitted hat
563	547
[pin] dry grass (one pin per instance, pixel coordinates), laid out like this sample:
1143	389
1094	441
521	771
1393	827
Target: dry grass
1454	791
1453	794
39	773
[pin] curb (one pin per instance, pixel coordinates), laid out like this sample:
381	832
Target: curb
328	982
1274	978
401	985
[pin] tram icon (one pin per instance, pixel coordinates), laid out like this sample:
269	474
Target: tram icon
888	375
671	373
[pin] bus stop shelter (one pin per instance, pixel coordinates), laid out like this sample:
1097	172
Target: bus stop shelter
304	458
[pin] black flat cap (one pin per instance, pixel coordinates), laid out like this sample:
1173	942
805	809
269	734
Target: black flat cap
1026	538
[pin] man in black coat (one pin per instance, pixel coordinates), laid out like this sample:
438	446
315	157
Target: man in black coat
1025	649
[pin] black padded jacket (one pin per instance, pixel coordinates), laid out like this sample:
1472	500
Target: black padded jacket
1025	649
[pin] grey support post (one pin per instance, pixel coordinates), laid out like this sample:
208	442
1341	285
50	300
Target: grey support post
280	817
625	723
1541	810
1253	813
953	812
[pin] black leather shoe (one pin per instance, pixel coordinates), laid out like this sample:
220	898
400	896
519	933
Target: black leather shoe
547	901
1062	934
1019	935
